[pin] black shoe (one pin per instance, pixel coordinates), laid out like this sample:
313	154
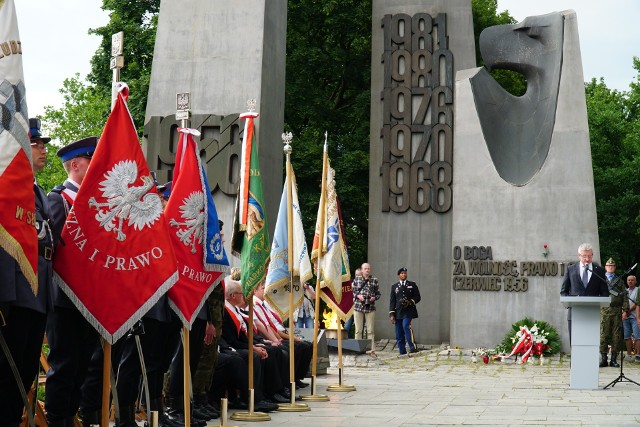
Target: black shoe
415	350
300	384
265	406
614	364
200	413
213	412
238	404
278	398
89	418
285	393
216	406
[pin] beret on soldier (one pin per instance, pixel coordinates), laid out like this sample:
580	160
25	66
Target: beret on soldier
402	270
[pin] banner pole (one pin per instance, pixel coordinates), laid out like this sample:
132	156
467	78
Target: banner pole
292	406
251	415
316	324
106	384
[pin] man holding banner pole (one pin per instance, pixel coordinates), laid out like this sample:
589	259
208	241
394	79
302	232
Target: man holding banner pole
24	274
23	311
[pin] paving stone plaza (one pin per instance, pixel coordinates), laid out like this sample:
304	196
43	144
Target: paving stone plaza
440	387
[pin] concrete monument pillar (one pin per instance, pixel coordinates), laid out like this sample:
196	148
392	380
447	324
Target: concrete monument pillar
417	46
523	192
223	52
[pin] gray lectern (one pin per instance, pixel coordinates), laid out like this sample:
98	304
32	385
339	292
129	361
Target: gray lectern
585	339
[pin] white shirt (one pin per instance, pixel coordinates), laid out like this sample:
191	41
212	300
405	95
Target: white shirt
588	271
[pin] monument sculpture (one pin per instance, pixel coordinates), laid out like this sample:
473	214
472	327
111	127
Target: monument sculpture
523	195
223	53
520	144
416	49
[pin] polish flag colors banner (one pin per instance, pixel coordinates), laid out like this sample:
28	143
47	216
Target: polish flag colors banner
117	259
250	241
195	232
18	235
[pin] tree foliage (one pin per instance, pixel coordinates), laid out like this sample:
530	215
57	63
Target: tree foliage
83	113
614	119
485	15
328	90
138	20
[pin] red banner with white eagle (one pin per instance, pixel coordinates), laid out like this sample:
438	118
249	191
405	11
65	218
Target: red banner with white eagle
194	231
17	217
117	259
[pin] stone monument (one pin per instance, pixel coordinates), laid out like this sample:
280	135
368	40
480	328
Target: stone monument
416	49
523	191
222	52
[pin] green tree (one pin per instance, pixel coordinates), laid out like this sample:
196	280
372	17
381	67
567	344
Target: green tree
83	113
485	14
139	21
328	89
614	150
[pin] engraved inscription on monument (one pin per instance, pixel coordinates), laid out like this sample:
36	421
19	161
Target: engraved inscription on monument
417	123
219	144
474	269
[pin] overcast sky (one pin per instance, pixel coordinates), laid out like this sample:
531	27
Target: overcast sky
609	34
56	43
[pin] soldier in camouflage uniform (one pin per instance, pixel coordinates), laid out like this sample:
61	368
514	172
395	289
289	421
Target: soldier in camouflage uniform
611	320
209	356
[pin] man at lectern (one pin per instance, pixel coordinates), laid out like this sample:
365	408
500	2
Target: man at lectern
584	278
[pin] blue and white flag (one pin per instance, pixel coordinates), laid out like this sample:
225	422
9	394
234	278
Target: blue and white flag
277	283
214	250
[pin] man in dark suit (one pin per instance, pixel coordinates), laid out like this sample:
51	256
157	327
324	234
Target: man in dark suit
402	308
584	279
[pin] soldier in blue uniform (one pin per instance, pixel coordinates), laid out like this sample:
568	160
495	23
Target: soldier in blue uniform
71	338
402	308
23	314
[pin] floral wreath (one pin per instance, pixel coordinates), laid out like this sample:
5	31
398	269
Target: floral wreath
528	338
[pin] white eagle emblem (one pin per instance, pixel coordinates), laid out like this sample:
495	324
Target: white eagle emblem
126	202
192	212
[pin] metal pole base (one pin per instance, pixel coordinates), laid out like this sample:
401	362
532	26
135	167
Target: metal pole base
341	387
313	397
223	413
293	407
250	416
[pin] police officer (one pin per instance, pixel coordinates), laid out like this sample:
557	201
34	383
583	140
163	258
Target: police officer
71	338
402	308
23	314
611	320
